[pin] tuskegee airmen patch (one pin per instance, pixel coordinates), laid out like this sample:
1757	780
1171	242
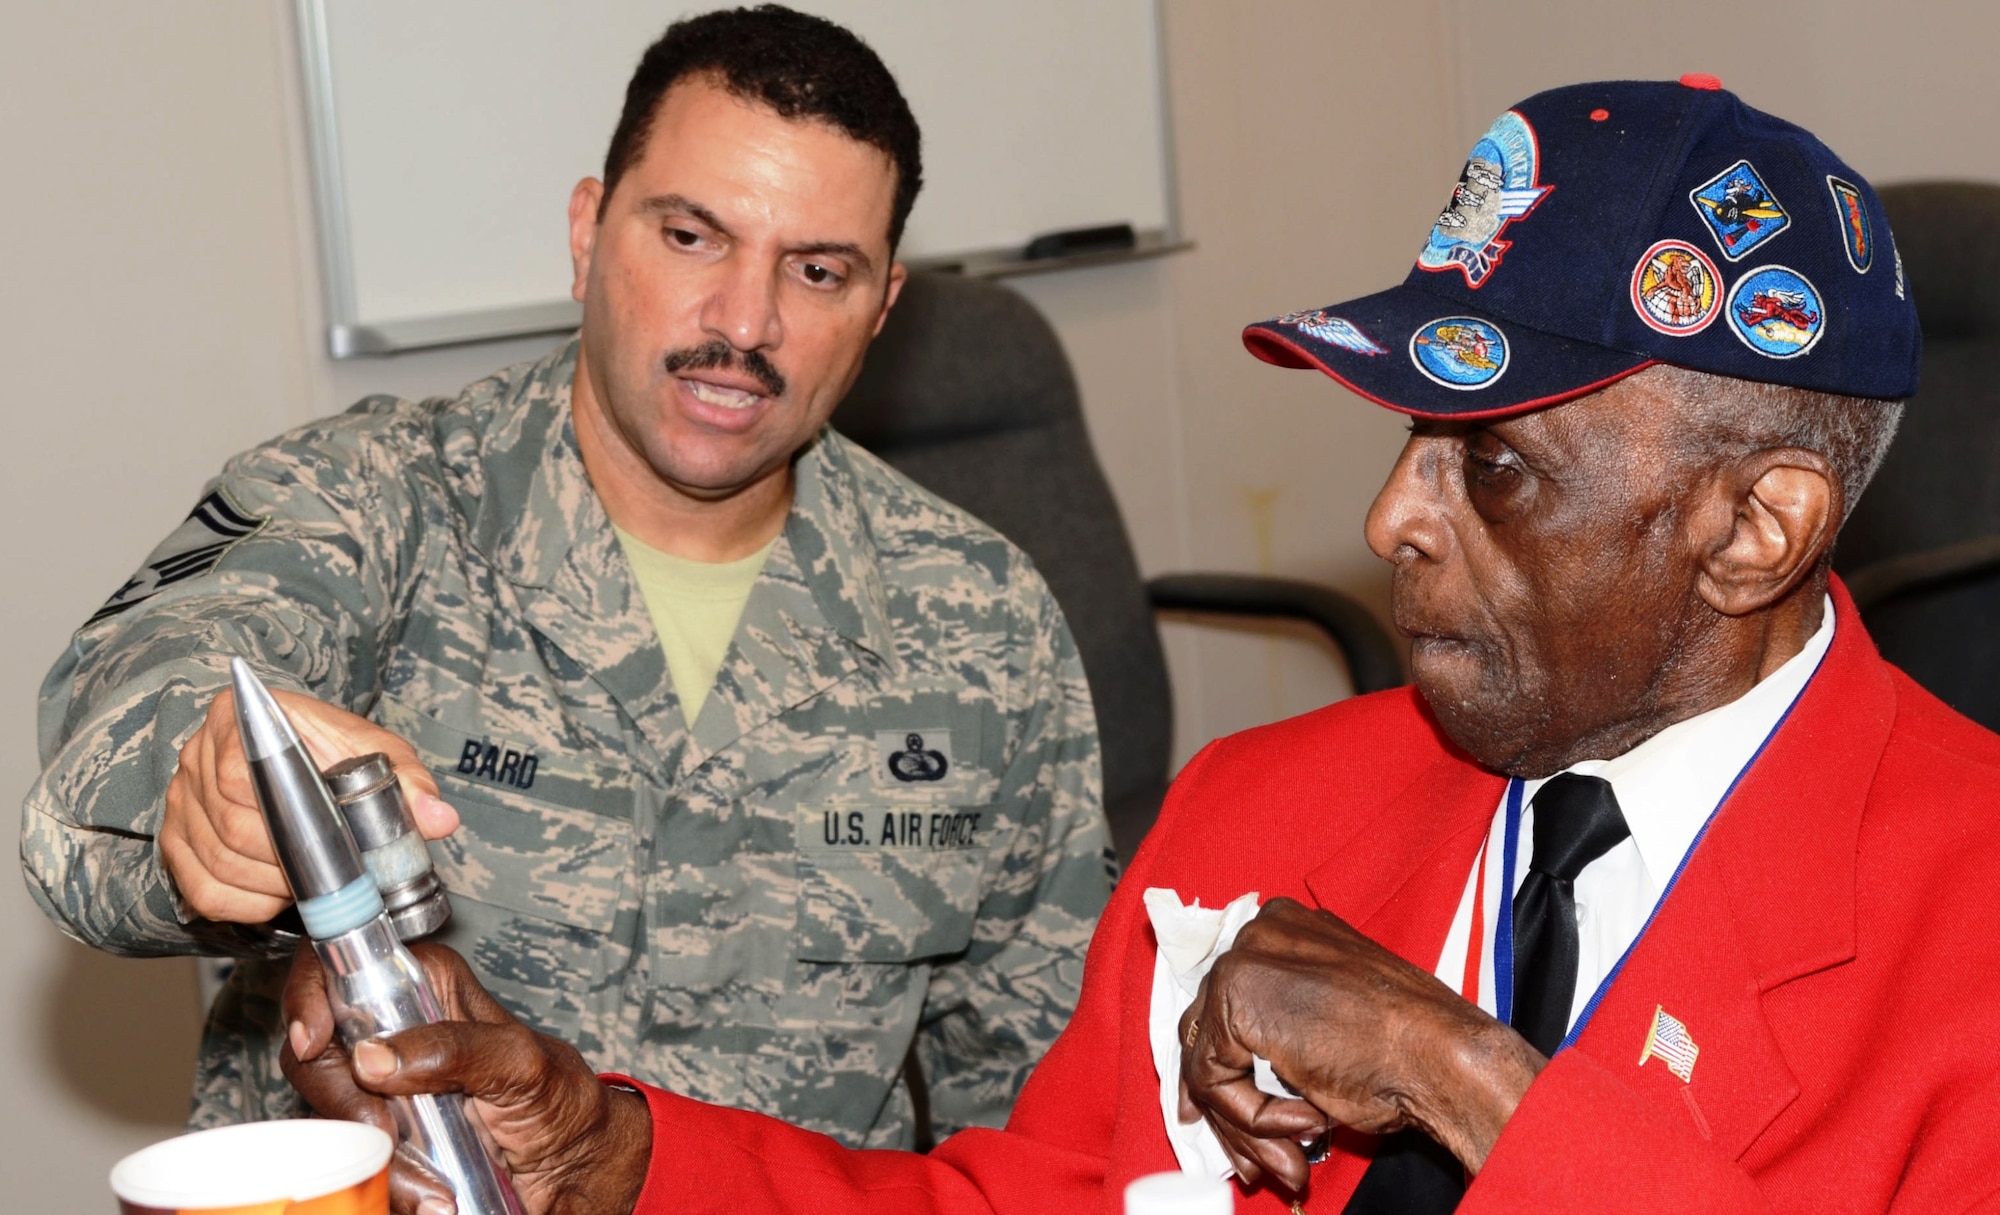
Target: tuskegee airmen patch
215	526
1498	185
1776	312
1854	230
1676	289
1461	352
1738	208
1332	330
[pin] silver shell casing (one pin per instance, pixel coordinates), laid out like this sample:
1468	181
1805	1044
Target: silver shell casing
376	987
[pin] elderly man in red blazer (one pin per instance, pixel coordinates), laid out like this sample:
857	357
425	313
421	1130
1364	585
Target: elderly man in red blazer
1661	891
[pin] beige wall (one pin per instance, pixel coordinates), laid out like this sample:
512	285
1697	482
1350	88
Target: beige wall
161	311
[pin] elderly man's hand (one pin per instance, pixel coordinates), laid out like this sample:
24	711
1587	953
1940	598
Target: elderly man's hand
1367	1039
571	1143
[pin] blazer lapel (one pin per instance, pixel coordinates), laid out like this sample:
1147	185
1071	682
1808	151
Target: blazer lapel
1399	876
1765	898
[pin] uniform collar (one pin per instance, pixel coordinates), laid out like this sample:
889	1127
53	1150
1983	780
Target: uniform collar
816	616
540	510
537	503
834	546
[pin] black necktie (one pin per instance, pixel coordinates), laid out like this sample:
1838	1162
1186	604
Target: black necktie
1577	820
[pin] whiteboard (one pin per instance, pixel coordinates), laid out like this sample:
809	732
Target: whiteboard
446	136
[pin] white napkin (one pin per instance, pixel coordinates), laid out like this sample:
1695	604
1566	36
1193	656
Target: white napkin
1191	937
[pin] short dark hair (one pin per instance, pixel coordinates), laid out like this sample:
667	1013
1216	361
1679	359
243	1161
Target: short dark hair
804	67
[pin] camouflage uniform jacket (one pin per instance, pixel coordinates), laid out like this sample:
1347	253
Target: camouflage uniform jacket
884	828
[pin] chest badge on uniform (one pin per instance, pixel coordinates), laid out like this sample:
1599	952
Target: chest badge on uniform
914	756
1669	1042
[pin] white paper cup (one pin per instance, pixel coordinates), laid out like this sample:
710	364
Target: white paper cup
299	1166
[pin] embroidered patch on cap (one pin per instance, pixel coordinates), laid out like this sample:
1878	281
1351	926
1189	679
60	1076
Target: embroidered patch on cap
906	757
1854	231
215	526
1332	330
1776	312
1497	186
1898	254
1676	289
1739	209
1460	352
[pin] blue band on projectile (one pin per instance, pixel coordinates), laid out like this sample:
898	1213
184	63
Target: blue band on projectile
345	910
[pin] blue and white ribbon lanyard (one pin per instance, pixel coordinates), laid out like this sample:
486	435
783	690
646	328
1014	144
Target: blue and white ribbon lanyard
1503	928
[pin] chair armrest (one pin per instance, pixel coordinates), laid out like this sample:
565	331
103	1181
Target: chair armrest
1372	660
1881	581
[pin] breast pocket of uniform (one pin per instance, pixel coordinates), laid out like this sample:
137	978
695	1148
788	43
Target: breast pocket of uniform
537	870
874	917
872	903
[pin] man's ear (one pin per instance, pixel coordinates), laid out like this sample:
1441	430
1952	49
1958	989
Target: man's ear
1772	516
583	204
898	274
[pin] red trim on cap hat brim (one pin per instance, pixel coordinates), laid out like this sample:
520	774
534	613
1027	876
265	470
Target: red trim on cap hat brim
1306	362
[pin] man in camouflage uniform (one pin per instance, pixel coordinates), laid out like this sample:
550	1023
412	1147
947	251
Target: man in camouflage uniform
881	833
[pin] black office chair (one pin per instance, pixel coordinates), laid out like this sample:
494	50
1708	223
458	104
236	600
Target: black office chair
967	391
1921	553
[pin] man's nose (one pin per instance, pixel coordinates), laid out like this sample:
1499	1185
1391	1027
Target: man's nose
742	307
1403	522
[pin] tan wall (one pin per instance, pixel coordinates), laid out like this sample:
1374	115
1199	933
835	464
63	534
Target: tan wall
161	311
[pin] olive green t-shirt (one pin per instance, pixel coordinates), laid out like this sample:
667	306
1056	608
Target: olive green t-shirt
695	606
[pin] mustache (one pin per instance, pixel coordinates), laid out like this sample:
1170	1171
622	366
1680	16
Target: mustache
717	354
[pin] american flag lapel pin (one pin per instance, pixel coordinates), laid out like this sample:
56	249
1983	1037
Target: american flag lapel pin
1669	1040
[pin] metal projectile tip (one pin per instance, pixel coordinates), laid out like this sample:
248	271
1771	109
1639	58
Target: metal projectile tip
265	729
313	845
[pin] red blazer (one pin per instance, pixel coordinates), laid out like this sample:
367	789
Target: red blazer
1833	948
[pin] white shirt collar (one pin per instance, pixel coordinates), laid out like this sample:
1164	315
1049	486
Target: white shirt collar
1668	785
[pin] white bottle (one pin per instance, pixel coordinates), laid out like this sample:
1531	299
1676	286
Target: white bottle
1178	1194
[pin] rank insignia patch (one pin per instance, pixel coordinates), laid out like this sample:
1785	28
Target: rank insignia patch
913	756
1739	210
1776	312
1332	330
1854	230
1497	187
215	526
1460	352
1676	289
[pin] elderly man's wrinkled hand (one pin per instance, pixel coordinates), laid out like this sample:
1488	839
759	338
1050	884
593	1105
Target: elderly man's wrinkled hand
1368	1040
570	1142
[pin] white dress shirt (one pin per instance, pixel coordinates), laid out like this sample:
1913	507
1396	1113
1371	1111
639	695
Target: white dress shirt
1667	788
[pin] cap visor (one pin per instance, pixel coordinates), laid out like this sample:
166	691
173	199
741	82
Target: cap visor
1421	354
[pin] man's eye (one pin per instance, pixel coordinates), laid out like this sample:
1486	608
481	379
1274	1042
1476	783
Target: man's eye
683	238
818	275
1489	465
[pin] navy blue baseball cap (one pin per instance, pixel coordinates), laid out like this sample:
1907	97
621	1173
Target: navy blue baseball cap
1599	229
